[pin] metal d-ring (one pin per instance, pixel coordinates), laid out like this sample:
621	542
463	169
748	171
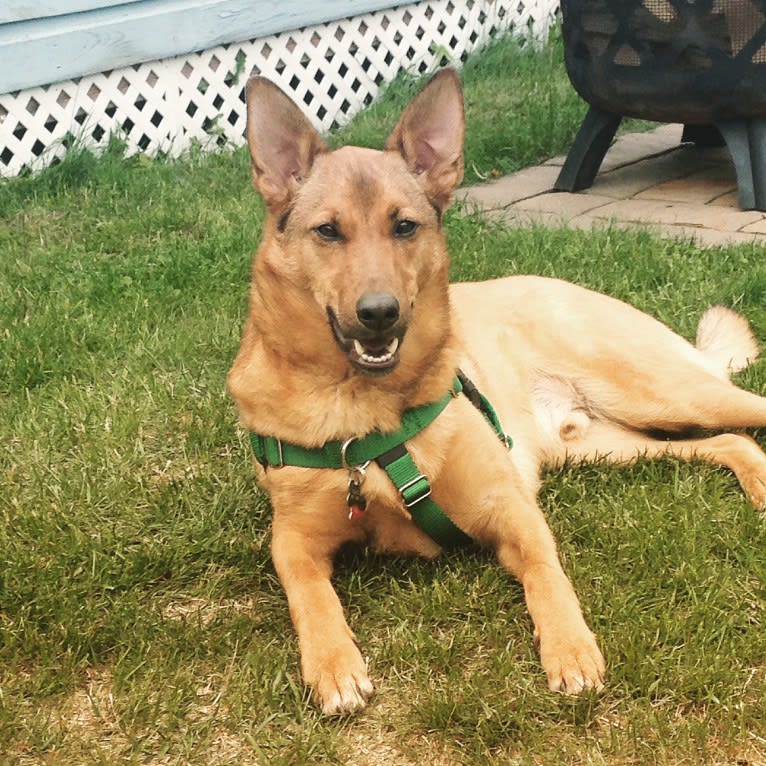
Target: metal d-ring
352	469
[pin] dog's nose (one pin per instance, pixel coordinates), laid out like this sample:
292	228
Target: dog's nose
377	311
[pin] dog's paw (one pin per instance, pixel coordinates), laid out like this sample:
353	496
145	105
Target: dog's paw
345	696
755	489
753	481
573	663
339	681
744	456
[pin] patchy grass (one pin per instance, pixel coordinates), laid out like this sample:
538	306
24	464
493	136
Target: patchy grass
140	617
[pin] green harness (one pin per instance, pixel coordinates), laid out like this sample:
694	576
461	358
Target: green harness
390	452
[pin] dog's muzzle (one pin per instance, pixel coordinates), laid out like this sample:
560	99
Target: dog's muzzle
372	344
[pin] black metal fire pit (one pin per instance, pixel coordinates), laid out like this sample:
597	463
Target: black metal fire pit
699	62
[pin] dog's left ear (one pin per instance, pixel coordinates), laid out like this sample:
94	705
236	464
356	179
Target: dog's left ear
429	135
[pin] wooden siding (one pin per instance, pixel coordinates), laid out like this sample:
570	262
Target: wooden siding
53	40
23	10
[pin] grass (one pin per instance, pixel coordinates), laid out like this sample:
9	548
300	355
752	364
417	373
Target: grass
140	618
506	129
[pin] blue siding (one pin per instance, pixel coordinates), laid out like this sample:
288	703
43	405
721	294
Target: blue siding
22	10
77	38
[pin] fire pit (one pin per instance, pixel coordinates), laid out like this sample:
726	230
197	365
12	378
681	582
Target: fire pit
699	62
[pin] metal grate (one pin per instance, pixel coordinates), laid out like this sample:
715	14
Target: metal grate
332	69
668	60
700	62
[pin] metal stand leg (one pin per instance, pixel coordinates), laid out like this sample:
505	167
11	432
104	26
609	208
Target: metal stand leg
746	140
588	150
757	131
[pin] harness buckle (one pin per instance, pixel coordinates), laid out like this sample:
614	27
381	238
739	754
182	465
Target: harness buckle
280	454
421	493
264	447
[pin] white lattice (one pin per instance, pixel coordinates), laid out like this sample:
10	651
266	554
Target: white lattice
332	70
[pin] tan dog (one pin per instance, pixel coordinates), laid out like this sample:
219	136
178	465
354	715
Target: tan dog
352	323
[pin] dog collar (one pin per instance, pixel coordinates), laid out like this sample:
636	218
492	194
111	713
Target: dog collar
389	451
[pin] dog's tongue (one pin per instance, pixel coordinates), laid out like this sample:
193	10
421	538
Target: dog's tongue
375	347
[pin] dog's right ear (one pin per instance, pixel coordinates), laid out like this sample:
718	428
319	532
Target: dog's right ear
282	141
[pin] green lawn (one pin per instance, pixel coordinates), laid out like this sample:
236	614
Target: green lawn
141	621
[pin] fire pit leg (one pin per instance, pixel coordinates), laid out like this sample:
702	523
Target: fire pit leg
757	131
588	150
746	141
735	135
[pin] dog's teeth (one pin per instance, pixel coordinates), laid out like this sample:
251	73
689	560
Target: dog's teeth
385	355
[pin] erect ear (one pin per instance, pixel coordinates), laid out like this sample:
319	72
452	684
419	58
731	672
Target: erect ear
429	135
282	142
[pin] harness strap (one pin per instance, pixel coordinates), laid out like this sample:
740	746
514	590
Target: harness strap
388	450
484	406
415	491
272	452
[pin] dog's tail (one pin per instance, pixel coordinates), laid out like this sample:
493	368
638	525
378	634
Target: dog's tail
726	339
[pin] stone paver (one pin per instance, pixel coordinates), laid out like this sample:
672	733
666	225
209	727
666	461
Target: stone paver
702	187
631	180
566	206
647	180
679	214
633	147
728	200
509	189
759	227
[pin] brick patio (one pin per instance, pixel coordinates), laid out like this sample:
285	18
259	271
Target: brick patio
647	179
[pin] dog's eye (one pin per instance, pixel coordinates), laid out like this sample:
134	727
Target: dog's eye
329	232
405	228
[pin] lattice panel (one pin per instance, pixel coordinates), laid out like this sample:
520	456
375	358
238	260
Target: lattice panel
332	70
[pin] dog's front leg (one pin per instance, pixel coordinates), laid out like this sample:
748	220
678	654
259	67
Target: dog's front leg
493	505
569	653
331	662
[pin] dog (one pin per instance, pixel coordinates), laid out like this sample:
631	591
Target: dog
353	327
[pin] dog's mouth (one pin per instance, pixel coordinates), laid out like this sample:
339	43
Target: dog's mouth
371	354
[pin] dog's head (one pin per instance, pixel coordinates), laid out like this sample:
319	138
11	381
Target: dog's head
356	229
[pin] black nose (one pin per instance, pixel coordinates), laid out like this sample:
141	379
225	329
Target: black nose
377	311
